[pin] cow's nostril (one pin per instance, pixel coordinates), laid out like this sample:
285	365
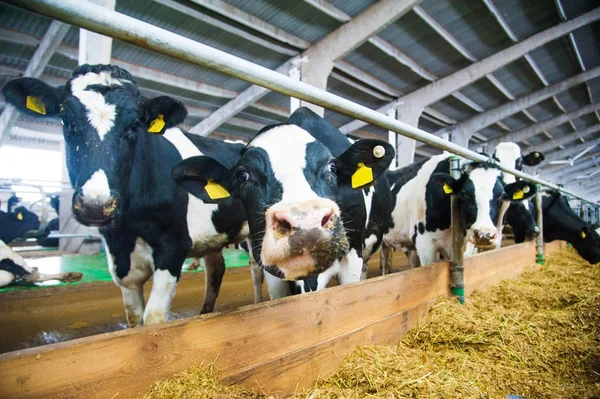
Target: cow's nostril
326	219
281	225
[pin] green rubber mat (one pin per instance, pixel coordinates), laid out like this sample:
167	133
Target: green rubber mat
94	267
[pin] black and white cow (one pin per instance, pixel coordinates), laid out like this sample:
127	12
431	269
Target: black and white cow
13	268
121	174
422	217
562	223
523	223
16	224
300	183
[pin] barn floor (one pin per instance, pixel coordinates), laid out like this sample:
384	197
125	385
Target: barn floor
33	316
94	268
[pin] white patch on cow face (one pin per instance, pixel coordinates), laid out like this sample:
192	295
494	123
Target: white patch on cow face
507	155
286	147
159	303
100	114
484	182
97	186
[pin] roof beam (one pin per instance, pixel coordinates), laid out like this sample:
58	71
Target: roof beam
244	99
447	85
330	10
505	110
243	34
137	71
564	154
567	139
534	130
509	32
48	45
444	33
563	17
359	29
249	20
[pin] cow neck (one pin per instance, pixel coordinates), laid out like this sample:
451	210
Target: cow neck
576	221
150	181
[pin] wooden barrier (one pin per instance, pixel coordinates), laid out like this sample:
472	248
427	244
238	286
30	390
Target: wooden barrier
278	346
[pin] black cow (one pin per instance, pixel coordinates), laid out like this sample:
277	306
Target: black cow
523	223
14	269
121	173
562	223
421	212
300	185
15	225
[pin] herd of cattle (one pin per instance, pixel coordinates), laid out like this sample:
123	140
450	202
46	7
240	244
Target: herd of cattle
311	203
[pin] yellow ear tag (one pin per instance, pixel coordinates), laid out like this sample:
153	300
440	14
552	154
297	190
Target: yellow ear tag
447	189
157	125
36	105
583	235
362	176
215	190
20	216
518	195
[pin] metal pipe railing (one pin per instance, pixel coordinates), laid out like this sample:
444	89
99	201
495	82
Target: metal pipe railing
111	23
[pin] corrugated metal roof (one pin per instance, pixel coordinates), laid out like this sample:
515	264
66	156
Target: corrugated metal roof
469	22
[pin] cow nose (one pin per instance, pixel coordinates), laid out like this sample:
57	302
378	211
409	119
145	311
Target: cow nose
301	216
482	235
536	230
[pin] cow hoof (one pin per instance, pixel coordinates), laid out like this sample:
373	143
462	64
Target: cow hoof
72	277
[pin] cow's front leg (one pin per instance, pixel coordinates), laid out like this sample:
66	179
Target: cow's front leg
168	258
134	305
385	259
214	269
350	268
258	275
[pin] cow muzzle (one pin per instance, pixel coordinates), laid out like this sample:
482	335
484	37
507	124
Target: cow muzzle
96	212
303	239
483	237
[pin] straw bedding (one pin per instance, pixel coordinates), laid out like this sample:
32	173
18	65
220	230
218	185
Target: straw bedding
535	337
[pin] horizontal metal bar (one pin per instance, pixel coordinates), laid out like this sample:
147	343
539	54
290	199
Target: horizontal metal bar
110	23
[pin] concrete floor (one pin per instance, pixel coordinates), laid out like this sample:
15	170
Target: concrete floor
33	316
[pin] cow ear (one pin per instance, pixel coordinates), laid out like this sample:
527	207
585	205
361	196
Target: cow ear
448	183
163	113
364	161
519	191
34	97
533	158
204	178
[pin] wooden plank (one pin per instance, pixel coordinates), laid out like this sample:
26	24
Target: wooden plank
127	362
300	369
278	345
489	268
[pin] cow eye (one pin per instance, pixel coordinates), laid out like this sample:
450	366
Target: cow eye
332	167
243	176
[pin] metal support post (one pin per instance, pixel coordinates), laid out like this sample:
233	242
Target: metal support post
539	242
457	268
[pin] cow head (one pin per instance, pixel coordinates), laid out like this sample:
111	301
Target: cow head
483	198
562	223
522	221
102	114
508	154
289	184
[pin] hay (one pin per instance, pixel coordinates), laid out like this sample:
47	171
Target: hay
538	336
197	382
